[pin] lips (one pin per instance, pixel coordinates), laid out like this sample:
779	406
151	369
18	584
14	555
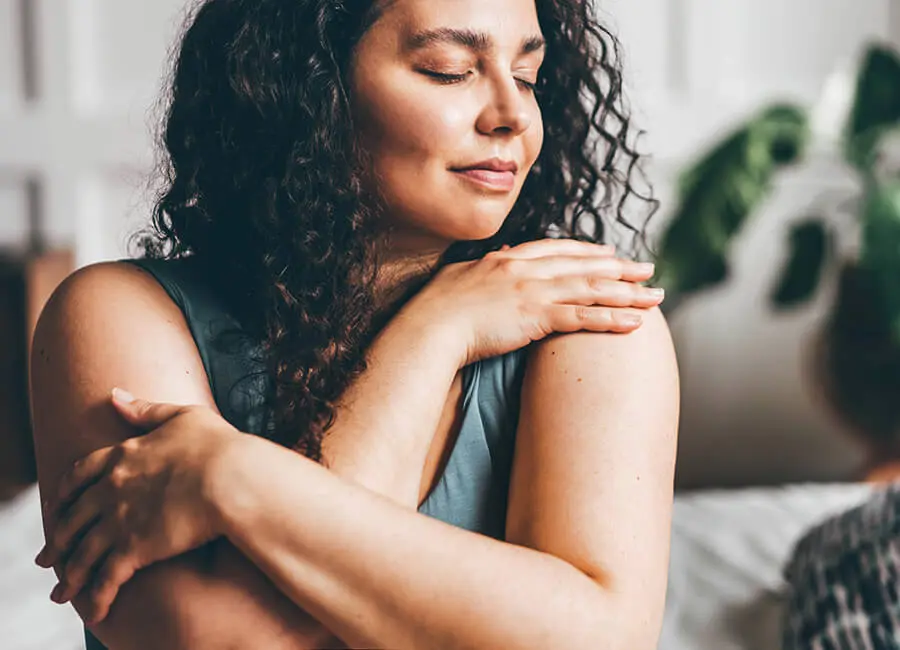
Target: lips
503	181
494	174
494	165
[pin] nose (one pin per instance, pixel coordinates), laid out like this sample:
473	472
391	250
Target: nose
506	112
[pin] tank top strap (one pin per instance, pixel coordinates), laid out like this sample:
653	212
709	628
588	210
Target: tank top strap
499	391
233	361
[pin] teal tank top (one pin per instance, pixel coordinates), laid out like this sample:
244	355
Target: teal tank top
470	493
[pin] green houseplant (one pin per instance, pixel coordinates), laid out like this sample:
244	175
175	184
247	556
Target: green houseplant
857	358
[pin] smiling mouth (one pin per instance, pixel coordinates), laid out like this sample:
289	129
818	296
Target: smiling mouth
501	181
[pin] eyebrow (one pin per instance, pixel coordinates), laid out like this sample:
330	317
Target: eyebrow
478	42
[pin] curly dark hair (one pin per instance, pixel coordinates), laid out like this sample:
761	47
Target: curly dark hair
263	183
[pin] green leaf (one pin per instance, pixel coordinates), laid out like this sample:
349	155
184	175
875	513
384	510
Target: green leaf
810	247
876	105
881	226
880	254
718	193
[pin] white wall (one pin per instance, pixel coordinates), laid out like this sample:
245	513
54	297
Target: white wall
77	79
750	413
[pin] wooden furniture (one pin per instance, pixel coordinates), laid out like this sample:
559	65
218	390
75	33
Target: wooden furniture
888	472
26	282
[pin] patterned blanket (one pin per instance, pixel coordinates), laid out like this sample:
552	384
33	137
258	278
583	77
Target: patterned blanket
844	579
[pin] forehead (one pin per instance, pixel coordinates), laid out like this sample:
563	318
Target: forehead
506	22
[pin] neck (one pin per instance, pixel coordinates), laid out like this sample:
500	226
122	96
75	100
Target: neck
405	261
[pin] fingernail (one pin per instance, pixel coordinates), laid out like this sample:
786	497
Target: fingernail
646	267
657	293
122	396
56	593
631	320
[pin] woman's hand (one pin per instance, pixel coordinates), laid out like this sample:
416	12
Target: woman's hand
514	296
147	499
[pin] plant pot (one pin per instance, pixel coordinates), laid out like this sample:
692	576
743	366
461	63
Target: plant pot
856	368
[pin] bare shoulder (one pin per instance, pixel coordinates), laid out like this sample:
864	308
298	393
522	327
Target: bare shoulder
646	352
116	290
113	325
598	433
606	382
106	325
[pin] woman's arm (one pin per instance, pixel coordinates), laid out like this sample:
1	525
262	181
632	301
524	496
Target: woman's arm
387	418
88	335
591	497
593	473
112	324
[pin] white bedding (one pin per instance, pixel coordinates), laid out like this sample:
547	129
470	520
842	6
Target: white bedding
728	548
29	620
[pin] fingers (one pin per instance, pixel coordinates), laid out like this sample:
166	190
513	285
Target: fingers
601	291
567	319
79	567
69	525
141	413
637	271
554	266
83	473
558	250
65	518
117	569
545	247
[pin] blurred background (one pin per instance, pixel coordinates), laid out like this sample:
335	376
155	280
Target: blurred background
79	82
697	70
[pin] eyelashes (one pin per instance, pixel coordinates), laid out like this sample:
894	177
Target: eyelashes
444	78
448	79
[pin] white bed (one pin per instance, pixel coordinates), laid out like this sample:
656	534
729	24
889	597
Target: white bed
29	620
728	548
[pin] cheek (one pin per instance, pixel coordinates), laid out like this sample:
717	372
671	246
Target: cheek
412	140
534	139
410	129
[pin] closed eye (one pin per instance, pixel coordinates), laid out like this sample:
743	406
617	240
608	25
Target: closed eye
445	78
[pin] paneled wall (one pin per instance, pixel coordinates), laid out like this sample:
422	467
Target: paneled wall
77	84
77	81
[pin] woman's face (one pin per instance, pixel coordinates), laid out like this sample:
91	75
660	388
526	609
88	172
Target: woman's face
444	106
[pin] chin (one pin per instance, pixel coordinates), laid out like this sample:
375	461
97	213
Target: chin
480	219
477	227
465	220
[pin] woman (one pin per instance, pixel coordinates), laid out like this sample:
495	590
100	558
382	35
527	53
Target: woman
355	224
